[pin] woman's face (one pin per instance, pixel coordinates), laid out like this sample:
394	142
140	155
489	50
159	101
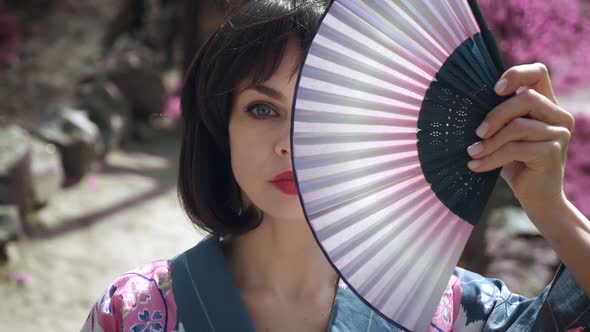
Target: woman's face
259	135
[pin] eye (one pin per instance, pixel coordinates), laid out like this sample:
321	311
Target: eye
262	111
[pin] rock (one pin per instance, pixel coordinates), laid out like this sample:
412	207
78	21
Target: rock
13	147
107	108
513	221
140	82
474	256
47	173
10	228
77	138
502	195
525	263
30	172
15	169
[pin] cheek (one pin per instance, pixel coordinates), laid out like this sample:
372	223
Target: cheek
243	156
248	140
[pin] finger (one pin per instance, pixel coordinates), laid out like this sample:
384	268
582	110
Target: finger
528	103
519	129
534	76
535	155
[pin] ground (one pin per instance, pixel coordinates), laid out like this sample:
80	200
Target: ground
121	215
117	218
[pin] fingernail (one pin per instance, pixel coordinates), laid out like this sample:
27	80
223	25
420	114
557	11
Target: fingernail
482	129
500	86
473	164
475	149
521	89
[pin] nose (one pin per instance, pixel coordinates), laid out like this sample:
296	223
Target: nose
283	146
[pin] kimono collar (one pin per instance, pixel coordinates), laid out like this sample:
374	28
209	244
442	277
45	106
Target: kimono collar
208	300
205	293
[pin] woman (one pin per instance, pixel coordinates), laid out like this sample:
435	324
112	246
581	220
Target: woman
261	269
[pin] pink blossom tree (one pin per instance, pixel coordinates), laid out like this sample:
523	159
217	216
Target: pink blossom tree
576	181
555	32
17	20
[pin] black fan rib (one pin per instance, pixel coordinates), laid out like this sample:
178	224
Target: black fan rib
454	106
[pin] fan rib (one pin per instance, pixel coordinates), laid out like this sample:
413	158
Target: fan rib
461	8
403	75
311	83
310	116
465	65
433	281
402	270
341	201
357	173
485	61
312	138
455	34
349	246
408	26
414	44
386	290
432	26
399	94
393	34
463	23
331	229
328	204
328	159
333	158
421	70
388	260
452	18
356	267
444	267
348	101
471	56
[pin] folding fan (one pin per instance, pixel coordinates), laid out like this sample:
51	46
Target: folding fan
388	100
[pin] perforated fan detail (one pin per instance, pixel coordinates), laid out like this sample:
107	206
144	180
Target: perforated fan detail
448	119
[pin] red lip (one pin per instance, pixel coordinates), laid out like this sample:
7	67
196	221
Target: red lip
285	182
287	175
286	186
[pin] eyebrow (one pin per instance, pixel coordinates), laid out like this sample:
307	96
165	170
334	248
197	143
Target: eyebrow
266	90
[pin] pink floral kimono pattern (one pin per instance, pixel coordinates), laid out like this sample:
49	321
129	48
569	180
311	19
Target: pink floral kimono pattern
145	299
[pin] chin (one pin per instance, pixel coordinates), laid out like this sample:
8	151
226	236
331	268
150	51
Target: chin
288	213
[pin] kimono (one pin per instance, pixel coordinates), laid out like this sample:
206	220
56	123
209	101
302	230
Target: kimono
195	292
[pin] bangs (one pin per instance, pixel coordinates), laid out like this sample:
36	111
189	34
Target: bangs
257	36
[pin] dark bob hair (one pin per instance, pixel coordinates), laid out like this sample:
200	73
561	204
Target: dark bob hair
249	45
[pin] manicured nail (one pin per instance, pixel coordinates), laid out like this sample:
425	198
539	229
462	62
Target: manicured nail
482	129
474	149
500	86
473	164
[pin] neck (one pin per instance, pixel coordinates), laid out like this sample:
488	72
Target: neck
280	257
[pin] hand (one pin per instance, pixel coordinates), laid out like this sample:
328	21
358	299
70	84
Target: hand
532	150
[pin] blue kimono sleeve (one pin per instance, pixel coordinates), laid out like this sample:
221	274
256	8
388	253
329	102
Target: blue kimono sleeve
488	305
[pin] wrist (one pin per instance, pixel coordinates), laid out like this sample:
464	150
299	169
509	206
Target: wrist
548	213
557	219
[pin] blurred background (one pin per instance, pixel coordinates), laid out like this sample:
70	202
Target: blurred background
89	139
